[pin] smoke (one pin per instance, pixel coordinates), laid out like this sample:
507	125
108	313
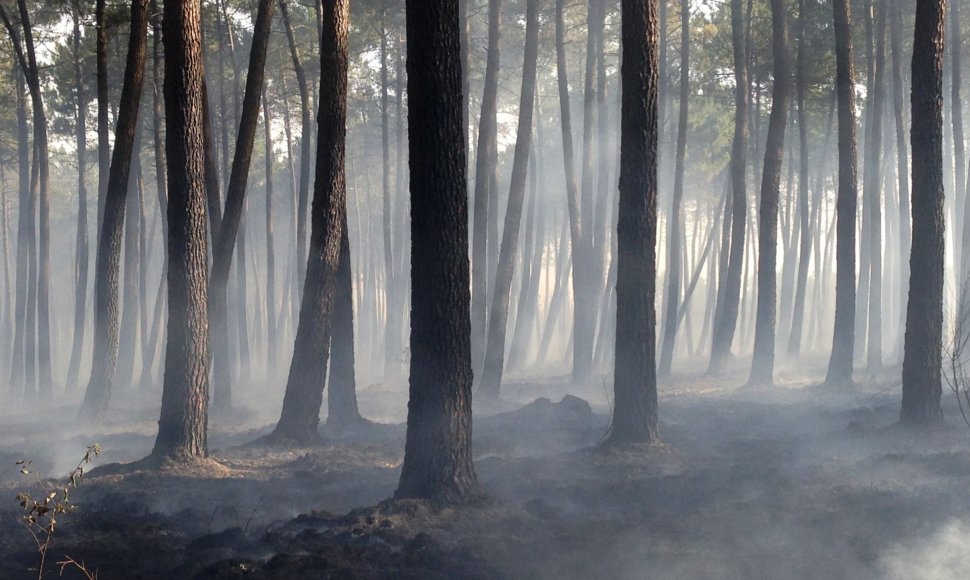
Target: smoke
943	555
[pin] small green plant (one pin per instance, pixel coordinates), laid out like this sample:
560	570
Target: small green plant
42	514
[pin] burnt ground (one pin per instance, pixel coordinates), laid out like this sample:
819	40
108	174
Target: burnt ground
797	481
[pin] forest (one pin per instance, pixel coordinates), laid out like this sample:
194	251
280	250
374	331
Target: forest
484	289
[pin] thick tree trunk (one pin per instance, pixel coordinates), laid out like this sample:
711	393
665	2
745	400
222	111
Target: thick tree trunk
675	232
763	363
300	416
342	410
635	370
485	162
922	385
437	456
107	265
183	421
726	323
499	312
81	258
840	363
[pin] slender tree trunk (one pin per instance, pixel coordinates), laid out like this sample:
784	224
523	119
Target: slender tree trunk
498	320
922	354
25	228
306	130
271	328
392	329
763	364
635	371
235	197
107	266
183	422
840	363
128	330
675	233
304	387
104	148
726	323
902	159
82	253
437	456
873	191
485	162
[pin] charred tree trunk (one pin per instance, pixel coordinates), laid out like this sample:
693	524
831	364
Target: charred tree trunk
437	456
342	410
107	265
922	354
726	323
635	370
300	416
502	288
183	421
763	363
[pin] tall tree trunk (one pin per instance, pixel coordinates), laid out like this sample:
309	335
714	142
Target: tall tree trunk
342	410
40	171
763	364
304	387
82	253
635	370
107	265
235	196
392	330
272	327
104	148
437	455
486	154
25	229
726	323
675	233
873	191
582	312
922	386
840	363
128	331
183	421
305	143
902	159
499	312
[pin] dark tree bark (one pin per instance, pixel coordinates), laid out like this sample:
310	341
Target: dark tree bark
635	370
922	353
300	416
342	410
81	258
675	233
502	288
437	456
107	265
840	363
726	323
235	197
763	364
183	422
485	162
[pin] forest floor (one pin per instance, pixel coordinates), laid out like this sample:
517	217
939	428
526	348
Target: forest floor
797	481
